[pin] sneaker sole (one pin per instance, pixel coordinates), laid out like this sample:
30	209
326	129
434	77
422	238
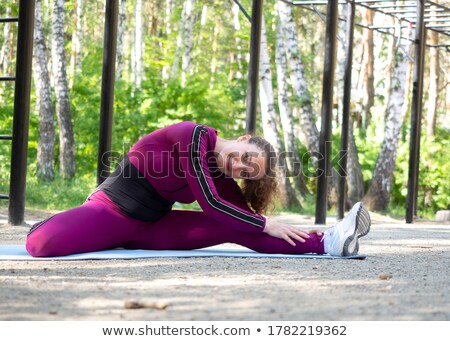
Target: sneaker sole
362	228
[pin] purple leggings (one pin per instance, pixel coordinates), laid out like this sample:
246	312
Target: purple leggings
99	224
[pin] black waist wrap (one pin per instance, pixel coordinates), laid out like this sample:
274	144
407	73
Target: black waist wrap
133	194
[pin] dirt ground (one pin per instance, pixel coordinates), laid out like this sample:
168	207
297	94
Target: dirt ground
405	277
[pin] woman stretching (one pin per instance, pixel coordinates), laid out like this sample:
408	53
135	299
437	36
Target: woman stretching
132	208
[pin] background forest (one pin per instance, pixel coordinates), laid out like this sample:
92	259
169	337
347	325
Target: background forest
188	60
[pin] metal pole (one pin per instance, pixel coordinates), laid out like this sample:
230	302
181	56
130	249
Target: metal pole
19	150
107	94
346	107
253	72
327	107
416	114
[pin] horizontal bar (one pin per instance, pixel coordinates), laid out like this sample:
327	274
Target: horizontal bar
7	78
6	137
373	27
314	2
4	196
437	20
380	30
372	1
395	6
439	45
437	25
14	19
438	5
412	10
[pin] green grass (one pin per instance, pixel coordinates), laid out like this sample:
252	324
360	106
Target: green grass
63	194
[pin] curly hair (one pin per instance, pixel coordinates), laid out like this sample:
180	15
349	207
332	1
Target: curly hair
260	194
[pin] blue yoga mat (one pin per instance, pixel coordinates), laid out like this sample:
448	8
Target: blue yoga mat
18	252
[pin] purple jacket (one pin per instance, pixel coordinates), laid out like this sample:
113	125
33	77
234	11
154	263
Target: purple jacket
179	163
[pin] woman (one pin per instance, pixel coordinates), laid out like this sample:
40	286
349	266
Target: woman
185	162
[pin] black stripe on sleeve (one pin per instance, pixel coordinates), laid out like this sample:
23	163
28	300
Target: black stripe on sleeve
195	157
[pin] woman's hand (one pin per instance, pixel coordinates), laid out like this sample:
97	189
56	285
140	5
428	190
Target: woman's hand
287	232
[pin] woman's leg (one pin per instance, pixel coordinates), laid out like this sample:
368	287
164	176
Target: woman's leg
187	230
96	225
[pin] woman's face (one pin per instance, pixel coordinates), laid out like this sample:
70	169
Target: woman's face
242	160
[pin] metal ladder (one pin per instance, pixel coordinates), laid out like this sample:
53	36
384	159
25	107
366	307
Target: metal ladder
19	137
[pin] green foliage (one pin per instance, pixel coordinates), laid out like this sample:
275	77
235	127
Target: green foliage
433	174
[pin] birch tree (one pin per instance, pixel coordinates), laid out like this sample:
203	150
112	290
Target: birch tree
137	69
4	53
178	47
5	49
236	53
367	90
169	5
378	195
188	39
433	90
355	180
77	39
66	136
121	26
447	100
214	52
354	177
293	162
46	142
303	104
270	128
185	42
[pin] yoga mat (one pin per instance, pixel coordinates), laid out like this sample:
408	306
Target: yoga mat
18	252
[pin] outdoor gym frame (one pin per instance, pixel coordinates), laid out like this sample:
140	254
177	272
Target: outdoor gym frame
413	12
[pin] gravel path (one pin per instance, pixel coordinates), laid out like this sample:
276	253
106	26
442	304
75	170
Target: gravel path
405	277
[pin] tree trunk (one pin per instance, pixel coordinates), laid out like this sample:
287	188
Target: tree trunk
188	39
368	68
378	196
121	27
433	91
447	100
151	13
46	143
215	44
169	5
66	137
235	53
433	94
270	129
180	36
408	89
355	179
293	162
303	106
77	39
5	50
138	44
391	53
4	54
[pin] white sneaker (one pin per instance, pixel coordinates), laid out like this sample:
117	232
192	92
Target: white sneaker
342	238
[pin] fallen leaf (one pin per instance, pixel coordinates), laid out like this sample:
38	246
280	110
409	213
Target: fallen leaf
143	305
384	276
